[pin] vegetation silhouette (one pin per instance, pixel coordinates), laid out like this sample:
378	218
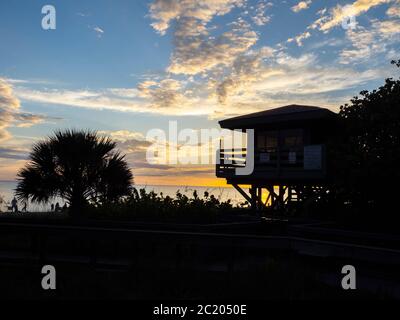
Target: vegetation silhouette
80	167
141	205
365	154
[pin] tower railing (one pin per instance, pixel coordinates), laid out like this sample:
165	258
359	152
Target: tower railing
291	159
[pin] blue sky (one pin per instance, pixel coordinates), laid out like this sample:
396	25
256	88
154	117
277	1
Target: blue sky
125	67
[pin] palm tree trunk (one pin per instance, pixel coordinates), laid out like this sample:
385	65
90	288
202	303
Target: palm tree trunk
77	205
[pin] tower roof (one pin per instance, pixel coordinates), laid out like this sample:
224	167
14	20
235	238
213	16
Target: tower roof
290	113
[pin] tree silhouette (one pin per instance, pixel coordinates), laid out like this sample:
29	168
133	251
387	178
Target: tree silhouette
370	156
78	166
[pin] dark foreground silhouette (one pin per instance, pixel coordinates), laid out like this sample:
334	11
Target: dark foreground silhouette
80	167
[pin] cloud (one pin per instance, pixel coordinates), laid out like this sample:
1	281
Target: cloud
340	13
246	69
300	38
99	31
367	43
388	28
336	16
83	14
194	54
197	47
9	106
256	80
163	12
313	80
13	153
10	112
394	11
163	94
260	18
163	97
302	5
283	79
97	99
26	120
233	73
123	135
132	144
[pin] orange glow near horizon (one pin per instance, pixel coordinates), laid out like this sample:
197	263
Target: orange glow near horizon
8	172
182	181
10	175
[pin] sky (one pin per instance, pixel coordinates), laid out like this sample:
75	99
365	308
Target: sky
126	67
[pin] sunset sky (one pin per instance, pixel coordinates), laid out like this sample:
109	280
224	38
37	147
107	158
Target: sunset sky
125	67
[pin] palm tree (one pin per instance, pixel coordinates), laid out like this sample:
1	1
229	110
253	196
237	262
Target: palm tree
78	166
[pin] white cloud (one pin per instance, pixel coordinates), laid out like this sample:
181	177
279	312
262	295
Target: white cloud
8	106
394	11
123	135
80	98
197	46
367	43
99	31
167	97
10	113
260	18
300	38
302	5
163	12
198	54
388	28
339	13
256	80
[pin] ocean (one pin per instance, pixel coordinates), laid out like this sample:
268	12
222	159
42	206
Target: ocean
221	193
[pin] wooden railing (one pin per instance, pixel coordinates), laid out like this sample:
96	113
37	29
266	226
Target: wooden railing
231	159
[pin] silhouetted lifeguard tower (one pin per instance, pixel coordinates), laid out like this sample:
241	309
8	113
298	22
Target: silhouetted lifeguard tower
289	155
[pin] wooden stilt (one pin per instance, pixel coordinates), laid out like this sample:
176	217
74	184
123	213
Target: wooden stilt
244	194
